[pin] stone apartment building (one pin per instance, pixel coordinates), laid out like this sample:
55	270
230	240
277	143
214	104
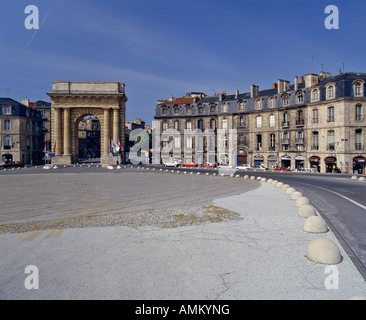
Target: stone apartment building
20	133
317	122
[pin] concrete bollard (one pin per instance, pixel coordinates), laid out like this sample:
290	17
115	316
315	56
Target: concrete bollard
270	180
306	211
315	224
290	190
252	178
354	177
246	177
285	187
361	179
323	251
296	195
264	180
302	201
279	184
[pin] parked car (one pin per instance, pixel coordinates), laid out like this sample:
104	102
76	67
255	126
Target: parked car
13	164
259	168
243	167
280	169
171	164
192	164
208	165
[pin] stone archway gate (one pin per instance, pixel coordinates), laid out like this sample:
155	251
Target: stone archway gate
70	101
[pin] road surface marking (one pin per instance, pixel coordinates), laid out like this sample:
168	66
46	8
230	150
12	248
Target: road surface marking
32	236
50	234
59	233
346	198
2	239
21	234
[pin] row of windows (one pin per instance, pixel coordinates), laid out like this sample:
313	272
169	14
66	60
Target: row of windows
272	119
8	110
7	125
285	100
8	142
285	141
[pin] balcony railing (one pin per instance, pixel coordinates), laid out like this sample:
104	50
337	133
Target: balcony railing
285	141
285	124
358	146
331	146
300	140
299	123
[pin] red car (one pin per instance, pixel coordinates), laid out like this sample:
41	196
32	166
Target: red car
280	169
208	165
13	164
193	164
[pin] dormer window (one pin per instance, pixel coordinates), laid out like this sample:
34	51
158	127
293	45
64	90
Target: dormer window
315	95
330	92
285	100
300	97
271	102
258	104
200	109
164	111
241	105
188	111
7	110
176	110
358	89
224	107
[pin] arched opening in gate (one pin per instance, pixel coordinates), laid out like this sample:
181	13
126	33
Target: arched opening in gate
88	139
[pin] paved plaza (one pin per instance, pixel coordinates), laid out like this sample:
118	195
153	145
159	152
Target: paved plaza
258	251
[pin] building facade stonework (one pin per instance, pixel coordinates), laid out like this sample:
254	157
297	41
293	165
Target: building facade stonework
71	102
316	122
20	133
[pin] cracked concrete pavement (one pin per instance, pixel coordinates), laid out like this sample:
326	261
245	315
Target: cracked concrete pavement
259	256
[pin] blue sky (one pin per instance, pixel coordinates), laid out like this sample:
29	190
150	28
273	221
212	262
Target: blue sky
169	47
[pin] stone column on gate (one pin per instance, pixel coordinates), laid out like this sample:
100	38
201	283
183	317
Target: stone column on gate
116	125
67	151
106	131
58	131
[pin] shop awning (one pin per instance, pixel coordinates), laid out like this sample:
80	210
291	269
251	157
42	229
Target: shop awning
314	159
359	159
330	159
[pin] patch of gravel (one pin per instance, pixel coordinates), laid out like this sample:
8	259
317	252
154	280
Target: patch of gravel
173	217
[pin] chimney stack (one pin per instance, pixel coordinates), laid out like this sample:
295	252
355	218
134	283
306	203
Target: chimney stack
296	86
236	94
254	91
25	102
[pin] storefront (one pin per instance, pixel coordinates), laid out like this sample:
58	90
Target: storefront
258	160
272	161
286	162
299	162
359	165
315	163
330	164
